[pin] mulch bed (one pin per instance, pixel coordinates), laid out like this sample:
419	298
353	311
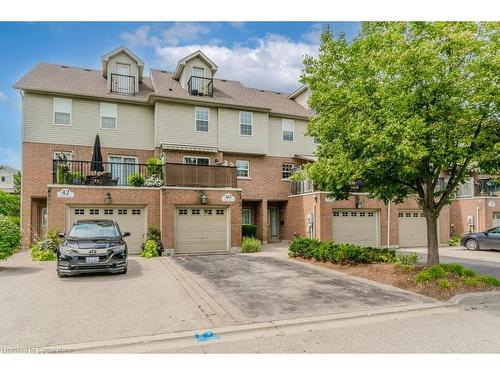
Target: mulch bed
387	273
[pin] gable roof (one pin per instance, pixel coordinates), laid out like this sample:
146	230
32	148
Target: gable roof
297	92
129	53
230	93
74	81
61	79
9	169
182	63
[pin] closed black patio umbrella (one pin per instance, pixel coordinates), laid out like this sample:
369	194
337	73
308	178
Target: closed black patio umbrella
96	164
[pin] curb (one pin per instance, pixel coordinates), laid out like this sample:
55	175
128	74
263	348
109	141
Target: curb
186	337
469	299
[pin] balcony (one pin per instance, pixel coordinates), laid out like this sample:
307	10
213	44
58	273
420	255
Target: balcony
122	84
200	175
200	86
307	186
79	172
484	187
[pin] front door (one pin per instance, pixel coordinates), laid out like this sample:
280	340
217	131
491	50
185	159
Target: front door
273	224
123	80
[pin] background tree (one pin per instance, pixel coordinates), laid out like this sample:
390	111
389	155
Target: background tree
403	104
17	183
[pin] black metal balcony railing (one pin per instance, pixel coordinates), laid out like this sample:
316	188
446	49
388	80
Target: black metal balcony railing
122	84
79	172
307	186
200	86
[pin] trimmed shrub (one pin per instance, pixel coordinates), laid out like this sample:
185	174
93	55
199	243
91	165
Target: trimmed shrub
46	250
338	253
150	249
249	231
10	237
250	245
10	204
454	240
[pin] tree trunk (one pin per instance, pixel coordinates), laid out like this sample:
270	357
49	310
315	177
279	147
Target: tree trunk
432	239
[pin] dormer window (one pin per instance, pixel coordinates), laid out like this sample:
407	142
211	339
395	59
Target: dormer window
195	73
123	70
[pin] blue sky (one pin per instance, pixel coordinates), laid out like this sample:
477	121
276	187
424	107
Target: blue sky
270	52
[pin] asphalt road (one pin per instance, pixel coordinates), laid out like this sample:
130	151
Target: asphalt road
481	267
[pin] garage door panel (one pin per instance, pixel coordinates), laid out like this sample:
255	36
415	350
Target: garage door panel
412	229
201	230
129	219
357	227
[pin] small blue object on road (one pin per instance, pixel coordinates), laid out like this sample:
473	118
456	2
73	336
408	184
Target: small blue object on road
207	335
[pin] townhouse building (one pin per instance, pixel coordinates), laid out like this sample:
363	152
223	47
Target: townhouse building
225	154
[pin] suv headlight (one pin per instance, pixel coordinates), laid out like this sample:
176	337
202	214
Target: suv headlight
118	249
66	250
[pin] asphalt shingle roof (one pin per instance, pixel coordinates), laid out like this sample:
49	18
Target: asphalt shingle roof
85	82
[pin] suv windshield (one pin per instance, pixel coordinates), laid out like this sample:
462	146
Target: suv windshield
94	230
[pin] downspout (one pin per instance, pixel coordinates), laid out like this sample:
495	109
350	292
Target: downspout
477	219
389	224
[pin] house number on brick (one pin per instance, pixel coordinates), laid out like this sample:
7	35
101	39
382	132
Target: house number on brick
65	193
228	198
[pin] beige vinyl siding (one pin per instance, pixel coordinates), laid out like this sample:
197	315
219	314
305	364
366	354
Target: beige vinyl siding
301	143
176	125
230	139
123	58
303	97
186	73
135	124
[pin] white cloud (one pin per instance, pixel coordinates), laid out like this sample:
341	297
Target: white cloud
137	38
2	96
272	62
10	157
183	32
275	62
314	35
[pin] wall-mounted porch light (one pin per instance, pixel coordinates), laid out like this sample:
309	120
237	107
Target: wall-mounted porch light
357	201
107	198
203	197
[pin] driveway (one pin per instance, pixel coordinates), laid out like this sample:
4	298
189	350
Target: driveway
260	288
38	309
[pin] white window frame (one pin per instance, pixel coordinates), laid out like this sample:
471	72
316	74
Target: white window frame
115	105
136	168
247	177
196	119
287	121
197	67
195	157
56	98
68	154
250	124
250	215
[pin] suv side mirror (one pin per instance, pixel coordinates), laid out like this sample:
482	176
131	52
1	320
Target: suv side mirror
61	234
126	234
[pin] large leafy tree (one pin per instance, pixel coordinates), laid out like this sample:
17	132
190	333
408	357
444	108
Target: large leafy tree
403	104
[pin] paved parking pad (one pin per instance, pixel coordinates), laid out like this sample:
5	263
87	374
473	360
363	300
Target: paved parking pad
259	288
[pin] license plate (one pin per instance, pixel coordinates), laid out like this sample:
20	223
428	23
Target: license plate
92	260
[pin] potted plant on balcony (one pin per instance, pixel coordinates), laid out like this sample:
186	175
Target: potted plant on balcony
202	91
63	173
77	178
136	179
154	167
194	92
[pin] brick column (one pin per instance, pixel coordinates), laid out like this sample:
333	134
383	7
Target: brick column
261	221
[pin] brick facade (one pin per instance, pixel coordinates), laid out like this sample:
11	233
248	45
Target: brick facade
479	209
263	189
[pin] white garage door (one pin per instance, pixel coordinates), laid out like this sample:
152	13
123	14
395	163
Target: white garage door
358	227
201	230
412	229
130	219
496	219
